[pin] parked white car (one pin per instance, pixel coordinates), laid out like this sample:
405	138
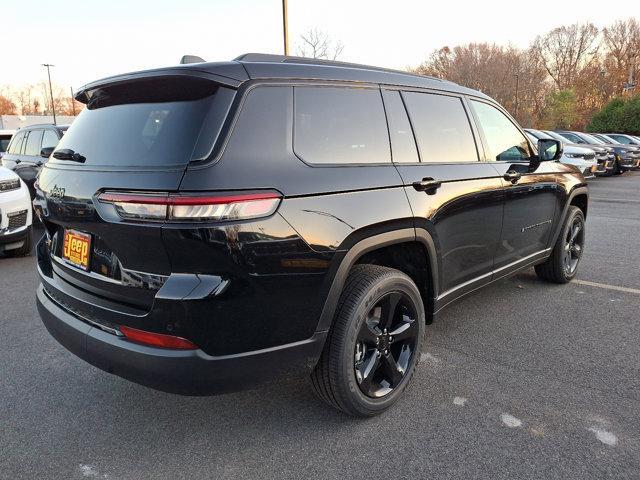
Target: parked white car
15	214
581	157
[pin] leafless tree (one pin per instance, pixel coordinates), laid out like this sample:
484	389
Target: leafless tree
565	51
317	44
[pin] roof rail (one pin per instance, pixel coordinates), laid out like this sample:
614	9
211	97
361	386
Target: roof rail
273	58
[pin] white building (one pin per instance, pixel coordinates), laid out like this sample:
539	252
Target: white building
14	122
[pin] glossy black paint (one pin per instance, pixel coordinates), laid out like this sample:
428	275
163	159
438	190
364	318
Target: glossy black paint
235	289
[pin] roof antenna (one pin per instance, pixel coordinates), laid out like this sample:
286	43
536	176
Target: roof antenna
190	59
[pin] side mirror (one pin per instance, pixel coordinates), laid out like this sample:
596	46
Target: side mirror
549	150
46	152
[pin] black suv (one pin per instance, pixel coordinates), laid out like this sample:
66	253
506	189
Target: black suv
214	225
30	148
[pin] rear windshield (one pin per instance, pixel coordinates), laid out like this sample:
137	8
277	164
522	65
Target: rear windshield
151	125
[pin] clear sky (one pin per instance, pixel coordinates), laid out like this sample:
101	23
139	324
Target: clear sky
89	39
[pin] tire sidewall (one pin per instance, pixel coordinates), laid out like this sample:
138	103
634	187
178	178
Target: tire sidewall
573	213
395	282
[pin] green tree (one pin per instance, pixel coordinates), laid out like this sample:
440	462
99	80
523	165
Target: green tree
630	121
609	118
560	110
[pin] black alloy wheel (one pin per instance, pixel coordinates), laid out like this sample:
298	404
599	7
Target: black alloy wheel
386	344
574	243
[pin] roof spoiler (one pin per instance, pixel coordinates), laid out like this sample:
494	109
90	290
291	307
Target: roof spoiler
190	59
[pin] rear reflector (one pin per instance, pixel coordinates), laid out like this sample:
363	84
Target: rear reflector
157	339
192	207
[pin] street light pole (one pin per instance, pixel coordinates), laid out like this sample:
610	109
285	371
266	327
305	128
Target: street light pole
285	27
53	108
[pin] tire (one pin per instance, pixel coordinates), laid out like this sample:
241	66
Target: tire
357	340
616	169
25	249
556	269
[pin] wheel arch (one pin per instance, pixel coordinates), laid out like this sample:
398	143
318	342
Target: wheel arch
385	249
579	197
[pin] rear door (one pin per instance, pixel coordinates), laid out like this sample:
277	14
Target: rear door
136	136
531	195
454	197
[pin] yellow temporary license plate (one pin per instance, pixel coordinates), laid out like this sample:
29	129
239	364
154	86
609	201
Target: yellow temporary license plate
76	248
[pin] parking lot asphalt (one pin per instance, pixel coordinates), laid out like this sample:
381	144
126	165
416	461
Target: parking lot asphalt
522	380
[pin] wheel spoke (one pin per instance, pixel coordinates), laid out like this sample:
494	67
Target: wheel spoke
368	333
577	249
389	309
393	373
402	332
575	230
365	371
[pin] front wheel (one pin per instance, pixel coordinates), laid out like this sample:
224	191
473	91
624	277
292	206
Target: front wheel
374	344
562	265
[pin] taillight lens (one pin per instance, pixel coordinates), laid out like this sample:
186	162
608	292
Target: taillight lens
192	207
157	339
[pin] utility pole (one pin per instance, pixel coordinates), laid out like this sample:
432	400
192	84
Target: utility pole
285	27
73	103
515	113
53	108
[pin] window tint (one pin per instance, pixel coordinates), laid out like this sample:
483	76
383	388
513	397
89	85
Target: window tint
33	143
504	140
571	137
340	125
16	144
441	127
403	144
50	139
621	139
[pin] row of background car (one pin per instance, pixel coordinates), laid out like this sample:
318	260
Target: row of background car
595	153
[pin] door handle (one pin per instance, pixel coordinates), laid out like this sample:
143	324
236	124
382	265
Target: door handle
512	176
428	185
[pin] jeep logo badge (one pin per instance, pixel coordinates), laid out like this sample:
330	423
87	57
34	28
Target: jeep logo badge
56	192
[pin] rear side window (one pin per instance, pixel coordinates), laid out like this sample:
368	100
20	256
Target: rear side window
158	123
403	143
16	143
442	128
336	125
504	140
34	140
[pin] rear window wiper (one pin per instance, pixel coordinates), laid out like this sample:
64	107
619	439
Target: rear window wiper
68	154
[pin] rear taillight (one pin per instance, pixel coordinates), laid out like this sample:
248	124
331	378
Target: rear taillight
157	339
192	207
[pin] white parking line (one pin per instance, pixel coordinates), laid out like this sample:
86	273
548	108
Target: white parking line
606	286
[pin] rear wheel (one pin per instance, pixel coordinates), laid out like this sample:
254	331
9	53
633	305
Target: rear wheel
562	265
374	345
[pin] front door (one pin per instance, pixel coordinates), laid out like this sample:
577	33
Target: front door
531	196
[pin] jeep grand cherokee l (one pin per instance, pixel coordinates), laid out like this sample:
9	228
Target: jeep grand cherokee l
214	225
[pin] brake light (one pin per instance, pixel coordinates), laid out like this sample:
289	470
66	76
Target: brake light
157	339
192	207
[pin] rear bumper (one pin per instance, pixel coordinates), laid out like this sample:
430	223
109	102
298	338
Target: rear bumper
187	372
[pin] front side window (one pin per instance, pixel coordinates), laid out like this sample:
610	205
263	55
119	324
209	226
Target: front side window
505	141
33	143
571	137
441	127
50	139
335	125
